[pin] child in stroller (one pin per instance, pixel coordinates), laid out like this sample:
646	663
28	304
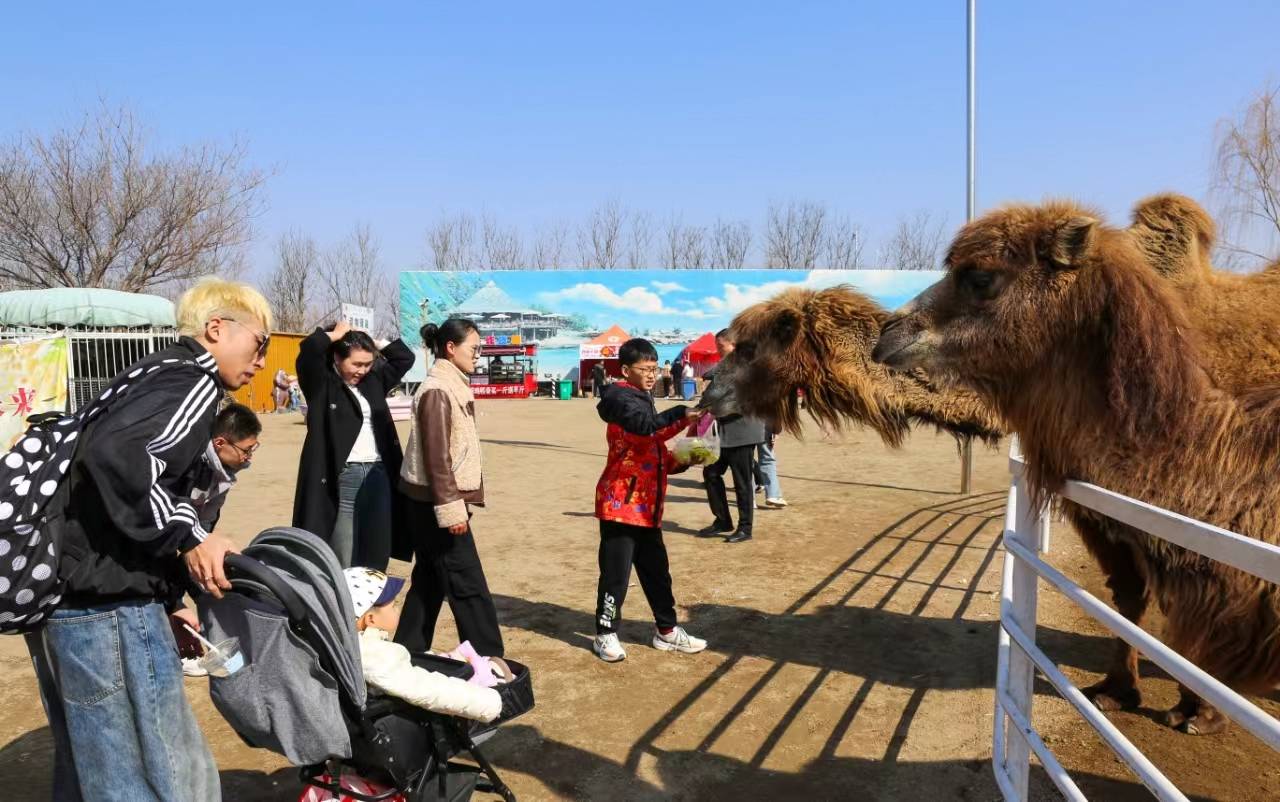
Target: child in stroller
302	691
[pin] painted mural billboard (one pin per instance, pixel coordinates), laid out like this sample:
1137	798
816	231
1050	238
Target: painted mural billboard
561	312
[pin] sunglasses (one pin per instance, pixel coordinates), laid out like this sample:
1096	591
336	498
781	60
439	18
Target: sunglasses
263	340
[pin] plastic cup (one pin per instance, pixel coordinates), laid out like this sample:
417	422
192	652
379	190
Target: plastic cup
223	659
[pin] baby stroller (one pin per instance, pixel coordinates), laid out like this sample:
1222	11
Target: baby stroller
301	692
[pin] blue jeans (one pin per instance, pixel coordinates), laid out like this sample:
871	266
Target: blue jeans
111	683
768	470
362	532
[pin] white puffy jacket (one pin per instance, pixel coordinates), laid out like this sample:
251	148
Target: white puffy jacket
387	667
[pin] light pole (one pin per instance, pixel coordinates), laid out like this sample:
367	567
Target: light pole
966	451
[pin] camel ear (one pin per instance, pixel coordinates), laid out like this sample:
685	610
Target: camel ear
785	328
1071	241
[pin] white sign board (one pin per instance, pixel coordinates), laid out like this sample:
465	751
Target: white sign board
360	317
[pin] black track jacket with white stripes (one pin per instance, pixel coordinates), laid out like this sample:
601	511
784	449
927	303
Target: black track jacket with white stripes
129	512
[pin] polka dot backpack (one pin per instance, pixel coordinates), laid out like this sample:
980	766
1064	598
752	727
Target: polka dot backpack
33	495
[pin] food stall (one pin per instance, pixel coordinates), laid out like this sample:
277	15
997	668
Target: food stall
505	369
604	349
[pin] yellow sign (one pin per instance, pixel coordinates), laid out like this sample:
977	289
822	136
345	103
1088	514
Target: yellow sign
33	379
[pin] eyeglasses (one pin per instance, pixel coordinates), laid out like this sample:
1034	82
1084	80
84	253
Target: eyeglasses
263	340
644	371
246	453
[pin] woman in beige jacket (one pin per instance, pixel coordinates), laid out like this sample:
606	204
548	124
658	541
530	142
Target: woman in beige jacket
442	478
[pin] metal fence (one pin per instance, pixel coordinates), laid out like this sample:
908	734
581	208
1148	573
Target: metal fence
1026	533
95	357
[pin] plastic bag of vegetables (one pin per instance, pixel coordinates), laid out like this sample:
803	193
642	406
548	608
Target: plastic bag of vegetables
694	448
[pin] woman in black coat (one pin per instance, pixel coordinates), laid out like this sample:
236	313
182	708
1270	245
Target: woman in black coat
350	466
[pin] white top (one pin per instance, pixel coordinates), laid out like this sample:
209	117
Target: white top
365	448
387	667
688	371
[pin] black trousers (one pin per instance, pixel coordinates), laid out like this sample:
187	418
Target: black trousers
447	566
737	459
622	546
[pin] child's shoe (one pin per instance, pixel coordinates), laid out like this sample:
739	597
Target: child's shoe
677	640
608	649
776	503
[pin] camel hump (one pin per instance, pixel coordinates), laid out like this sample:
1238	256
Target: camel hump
1175	233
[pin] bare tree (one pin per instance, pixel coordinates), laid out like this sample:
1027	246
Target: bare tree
502	249
639	240
794	234
91	207
351	272
916	243
549	246
452	242
684	247
730	243
1246	181
289	287
600	237
842	245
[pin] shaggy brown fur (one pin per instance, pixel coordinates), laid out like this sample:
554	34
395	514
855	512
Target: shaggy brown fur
820	341
1061	325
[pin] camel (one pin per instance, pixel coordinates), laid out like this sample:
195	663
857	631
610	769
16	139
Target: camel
820	341
1061	325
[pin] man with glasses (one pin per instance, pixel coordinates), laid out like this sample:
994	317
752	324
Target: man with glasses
231	448
106	661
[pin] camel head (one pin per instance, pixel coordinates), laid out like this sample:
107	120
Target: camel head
1008	275
818	341
1044	307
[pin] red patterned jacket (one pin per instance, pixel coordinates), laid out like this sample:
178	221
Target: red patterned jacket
633	487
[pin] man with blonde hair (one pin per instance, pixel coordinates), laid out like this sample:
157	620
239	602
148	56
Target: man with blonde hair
106	661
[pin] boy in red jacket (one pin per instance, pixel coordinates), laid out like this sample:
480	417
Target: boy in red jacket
629	499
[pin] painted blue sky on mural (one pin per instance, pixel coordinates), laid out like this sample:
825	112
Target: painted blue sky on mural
560	309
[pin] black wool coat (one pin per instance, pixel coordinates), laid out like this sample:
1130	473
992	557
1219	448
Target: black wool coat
333	423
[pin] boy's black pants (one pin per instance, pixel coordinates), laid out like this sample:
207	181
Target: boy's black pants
738	460
621	546
447	566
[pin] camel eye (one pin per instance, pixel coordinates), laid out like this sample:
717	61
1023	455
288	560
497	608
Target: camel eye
979	282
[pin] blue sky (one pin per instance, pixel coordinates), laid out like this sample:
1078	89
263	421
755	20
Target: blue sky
393	112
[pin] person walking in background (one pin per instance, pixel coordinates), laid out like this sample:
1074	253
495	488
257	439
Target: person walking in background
351	457
666	379
442	480
767	472
597	379
280	390
739	436
688	379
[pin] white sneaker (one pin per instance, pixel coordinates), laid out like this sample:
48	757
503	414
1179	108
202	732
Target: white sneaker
191	667
776	502
608	649
678	641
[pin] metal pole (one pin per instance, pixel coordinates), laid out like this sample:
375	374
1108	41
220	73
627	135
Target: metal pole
966	451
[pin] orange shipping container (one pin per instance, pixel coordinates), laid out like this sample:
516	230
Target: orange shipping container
282	353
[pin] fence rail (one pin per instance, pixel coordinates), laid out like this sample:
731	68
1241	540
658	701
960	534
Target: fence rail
1018	657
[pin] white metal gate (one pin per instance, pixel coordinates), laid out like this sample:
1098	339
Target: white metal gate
1027	533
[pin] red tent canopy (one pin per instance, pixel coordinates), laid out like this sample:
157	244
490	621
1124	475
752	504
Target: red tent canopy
616	335
702	352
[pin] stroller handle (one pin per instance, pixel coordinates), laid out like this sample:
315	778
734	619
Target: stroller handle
238	566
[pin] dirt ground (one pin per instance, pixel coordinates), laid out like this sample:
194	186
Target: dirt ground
852	643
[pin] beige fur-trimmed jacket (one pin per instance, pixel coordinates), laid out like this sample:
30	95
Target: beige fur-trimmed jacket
443	465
